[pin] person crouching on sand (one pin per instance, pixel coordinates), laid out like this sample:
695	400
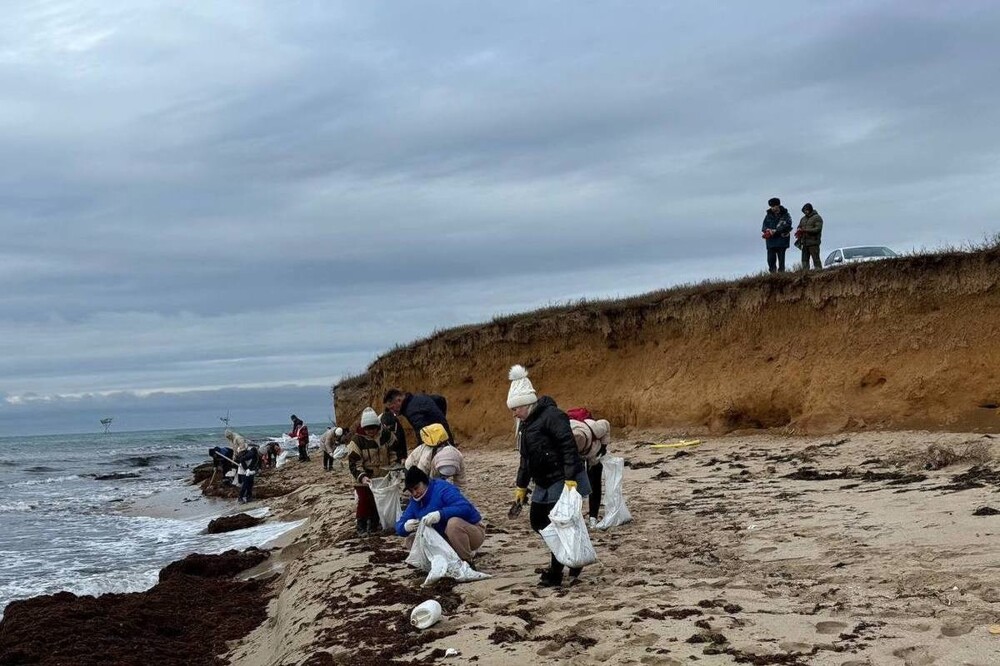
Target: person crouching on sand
436	456
440	504
592	439
549	457
368	458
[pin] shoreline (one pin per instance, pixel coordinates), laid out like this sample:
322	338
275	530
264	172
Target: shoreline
737	549
759	548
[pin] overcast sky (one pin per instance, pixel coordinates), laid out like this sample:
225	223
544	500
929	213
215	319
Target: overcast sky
228	205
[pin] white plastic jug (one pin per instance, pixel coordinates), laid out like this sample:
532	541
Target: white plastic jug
426	614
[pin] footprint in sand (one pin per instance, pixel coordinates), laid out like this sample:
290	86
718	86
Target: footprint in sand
766	549
830	627
918	655
954	628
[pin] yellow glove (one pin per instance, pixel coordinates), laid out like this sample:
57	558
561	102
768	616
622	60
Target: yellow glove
521	495
571	484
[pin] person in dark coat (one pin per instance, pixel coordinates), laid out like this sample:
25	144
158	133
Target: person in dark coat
776	231
250	459
810	235
549	458
300	433
393	434
420	409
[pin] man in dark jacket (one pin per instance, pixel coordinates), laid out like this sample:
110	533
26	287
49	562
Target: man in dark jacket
549	458
250	459
810	233
776	230
419	409
393	435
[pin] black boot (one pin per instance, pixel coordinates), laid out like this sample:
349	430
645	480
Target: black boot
553	577
362	527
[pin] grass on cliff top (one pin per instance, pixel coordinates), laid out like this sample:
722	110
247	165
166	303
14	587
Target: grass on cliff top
989	248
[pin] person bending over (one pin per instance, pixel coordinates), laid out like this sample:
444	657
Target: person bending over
440	504
367	458
436	456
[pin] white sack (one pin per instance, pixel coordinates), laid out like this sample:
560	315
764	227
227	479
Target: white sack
566	536
387	492
615	511
431	552
340	451
282	458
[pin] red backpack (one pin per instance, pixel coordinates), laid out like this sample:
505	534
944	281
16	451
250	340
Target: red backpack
579	414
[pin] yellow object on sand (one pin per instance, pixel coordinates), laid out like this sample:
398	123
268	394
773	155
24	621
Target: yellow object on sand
677	445
994	629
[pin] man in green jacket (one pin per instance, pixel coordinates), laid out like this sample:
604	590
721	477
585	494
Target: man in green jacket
809	234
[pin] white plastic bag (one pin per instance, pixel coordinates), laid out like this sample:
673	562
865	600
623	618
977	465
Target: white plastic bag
615	511
282	458
432	553
566	535
340	451
387	492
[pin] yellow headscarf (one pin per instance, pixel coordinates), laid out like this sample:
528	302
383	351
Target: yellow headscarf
433	434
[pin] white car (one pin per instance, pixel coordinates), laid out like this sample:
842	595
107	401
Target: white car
856	255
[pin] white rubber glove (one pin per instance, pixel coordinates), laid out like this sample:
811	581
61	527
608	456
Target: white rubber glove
432	518
411	525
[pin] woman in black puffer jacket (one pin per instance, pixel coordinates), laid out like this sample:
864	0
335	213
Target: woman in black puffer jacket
549	458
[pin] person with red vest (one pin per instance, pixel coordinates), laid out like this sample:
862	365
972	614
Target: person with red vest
300	432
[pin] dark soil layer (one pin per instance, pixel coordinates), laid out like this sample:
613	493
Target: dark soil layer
240	521
184	620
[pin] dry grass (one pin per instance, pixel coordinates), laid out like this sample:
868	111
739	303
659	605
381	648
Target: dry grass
988	249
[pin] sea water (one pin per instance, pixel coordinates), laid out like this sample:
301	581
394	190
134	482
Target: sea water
68	514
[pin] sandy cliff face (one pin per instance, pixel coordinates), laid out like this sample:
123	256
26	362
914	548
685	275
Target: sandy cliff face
909	343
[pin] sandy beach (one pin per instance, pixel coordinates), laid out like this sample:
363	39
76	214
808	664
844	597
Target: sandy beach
852	549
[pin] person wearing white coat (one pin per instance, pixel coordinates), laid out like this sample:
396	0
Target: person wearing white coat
592	439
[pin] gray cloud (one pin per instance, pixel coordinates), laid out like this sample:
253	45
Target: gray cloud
246	194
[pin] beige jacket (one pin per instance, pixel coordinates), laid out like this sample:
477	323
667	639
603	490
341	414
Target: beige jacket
439	462
590	436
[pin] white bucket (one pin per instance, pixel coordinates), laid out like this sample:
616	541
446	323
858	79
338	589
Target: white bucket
426	614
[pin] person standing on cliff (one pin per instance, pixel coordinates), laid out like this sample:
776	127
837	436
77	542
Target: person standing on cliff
300	432
367	458
420	409
776	231
809	235
549	457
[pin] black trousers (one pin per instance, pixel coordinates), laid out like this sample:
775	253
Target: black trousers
246	489
540	520
303	456
776	259
594	474
327	461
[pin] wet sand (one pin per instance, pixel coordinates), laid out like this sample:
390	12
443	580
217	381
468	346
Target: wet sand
761	549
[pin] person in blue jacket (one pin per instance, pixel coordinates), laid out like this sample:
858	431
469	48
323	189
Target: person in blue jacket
440	504
776	229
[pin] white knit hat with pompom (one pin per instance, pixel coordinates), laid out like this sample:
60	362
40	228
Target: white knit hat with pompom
521	391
